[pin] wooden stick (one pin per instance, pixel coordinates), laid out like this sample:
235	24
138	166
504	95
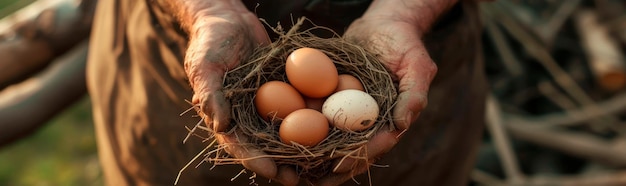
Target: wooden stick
603	53
511	63
502	142
605	178
545	27
575	116
538	50
486	179
610	178
548	30
553	94
573	143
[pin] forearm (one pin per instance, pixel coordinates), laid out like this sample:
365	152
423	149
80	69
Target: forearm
45	29
29	105
421	13
190	13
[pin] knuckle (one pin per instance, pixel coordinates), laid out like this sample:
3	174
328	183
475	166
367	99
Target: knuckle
422	103
431	66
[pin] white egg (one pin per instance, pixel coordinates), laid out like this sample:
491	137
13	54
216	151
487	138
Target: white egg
351	110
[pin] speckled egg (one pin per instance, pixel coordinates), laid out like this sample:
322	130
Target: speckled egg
351	110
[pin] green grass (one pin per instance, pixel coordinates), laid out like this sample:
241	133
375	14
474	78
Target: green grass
9	6
61	153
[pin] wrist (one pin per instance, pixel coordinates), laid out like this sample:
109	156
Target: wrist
422	14
192	14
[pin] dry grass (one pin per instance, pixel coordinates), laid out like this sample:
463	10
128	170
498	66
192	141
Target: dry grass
268	64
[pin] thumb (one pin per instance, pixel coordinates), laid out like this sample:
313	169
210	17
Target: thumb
208	94
415	75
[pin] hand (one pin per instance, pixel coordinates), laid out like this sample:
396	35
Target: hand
220	37
403	53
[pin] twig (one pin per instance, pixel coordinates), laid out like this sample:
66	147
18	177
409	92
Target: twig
574	143
544	27
504	50
189	163
612	178
553	94
603	53
572	117
486	179
607	178
502	142
548	30
539	51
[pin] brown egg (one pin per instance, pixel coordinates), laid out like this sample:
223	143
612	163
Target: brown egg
314	103
306	127
277	99
311	72
349	82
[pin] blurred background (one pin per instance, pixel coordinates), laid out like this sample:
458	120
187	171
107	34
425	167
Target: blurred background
555	113
63	151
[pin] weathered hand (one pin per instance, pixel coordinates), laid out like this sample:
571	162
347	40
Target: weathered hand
219	39
217	43
403	53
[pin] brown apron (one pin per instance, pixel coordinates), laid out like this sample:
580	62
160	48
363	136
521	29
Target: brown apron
138	86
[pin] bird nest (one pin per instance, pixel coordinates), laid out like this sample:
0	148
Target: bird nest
268	64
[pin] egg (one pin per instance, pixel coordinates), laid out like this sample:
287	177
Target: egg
347	81
311	72
306	127
277	99
351	110
314	103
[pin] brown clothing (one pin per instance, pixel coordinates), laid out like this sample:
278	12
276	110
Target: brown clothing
138	87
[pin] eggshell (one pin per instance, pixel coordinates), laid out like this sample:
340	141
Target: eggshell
277	99
314	103
306	127
351	110
347	81
311	72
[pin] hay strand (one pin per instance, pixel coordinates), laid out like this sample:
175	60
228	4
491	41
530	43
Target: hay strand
268	64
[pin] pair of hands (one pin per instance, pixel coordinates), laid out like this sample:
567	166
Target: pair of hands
223	38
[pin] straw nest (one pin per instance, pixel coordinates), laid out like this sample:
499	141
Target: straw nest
268	63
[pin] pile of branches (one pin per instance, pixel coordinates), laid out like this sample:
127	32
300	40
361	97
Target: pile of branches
555	115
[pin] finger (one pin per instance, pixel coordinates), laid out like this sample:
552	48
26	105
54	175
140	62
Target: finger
414	82
339	178
252	158
259	34
206	80
220	109
334	179
287	176
381	143
407	108
214	106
